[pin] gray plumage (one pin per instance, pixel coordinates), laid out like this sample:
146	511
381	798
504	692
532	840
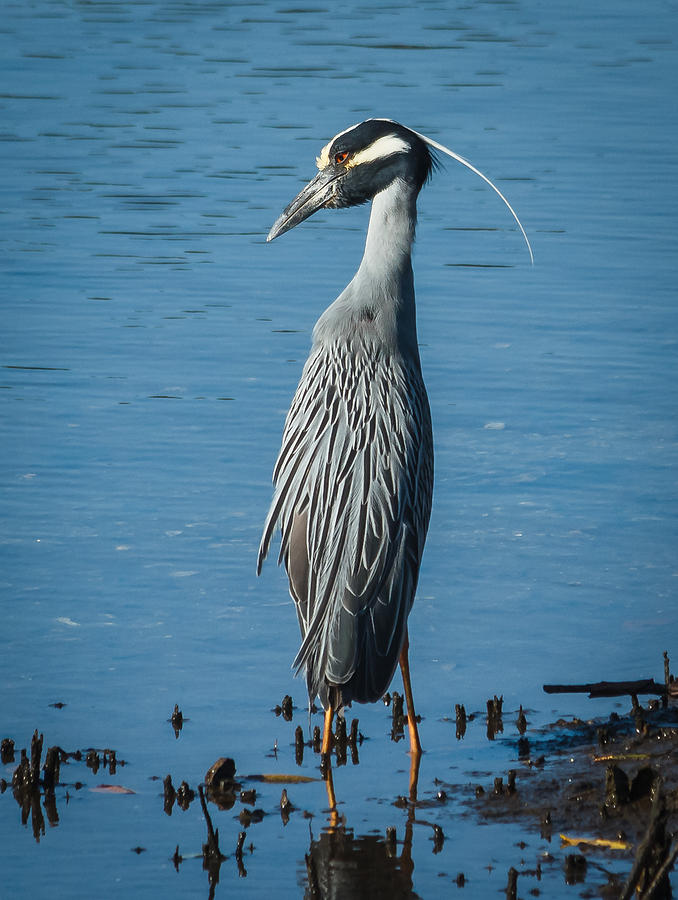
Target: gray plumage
354	478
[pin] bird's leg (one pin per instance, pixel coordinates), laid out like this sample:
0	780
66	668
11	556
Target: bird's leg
326	759
415	743
327	731
415	762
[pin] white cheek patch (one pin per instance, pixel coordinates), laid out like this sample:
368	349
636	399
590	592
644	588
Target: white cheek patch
323	160
382	148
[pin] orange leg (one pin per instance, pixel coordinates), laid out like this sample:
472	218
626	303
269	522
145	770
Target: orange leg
415	743
415	762
326	757
327	731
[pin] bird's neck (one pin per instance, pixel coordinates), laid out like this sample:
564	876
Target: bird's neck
376	310
387	260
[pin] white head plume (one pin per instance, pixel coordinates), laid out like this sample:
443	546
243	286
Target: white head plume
465	162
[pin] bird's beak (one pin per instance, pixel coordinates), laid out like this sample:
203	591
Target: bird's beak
316	195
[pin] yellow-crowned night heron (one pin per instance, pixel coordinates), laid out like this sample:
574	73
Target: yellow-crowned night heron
354	478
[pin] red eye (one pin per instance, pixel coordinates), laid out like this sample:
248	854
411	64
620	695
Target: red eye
341	157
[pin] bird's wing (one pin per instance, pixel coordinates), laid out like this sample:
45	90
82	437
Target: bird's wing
353	496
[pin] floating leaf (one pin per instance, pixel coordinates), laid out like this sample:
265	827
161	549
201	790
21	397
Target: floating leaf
281	779
614	757
112	789
594	842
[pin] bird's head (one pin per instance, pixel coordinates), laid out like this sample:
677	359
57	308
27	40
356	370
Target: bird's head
365	159
357	164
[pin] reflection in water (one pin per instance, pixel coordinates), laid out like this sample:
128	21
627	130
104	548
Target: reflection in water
495	724
32	781
177	720
339	865
212	857
460	720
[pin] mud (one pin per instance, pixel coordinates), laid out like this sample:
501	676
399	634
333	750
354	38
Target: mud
603	788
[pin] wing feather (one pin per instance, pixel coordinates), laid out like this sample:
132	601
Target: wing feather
353	485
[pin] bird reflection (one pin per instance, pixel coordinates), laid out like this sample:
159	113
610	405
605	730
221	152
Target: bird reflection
340	865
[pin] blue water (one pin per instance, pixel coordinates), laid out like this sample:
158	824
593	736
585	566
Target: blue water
151	342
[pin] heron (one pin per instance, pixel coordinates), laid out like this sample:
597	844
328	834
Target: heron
353	481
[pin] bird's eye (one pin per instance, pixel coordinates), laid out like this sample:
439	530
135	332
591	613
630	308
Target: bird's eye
341	157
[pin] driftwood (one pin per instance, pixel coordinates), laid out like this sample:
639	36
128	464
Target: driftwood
622	688
614	688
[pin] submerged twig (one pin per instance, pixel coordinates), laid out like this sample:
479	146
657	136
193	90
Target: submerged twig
211	855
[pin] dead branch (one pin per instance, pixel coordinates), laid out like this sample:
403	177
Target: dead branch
611	688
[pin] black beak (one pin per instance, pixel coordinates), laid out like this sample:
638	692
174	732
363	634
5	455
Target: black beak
316	195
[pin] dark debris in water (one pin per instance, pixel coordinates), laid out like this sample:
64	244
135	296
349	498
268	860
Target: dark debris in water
285	709
220	783
495	724
177	720
598	791
33	780
7	751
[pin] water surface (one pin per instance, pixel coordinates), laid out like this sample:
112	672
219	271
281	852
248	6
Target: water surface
151	343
